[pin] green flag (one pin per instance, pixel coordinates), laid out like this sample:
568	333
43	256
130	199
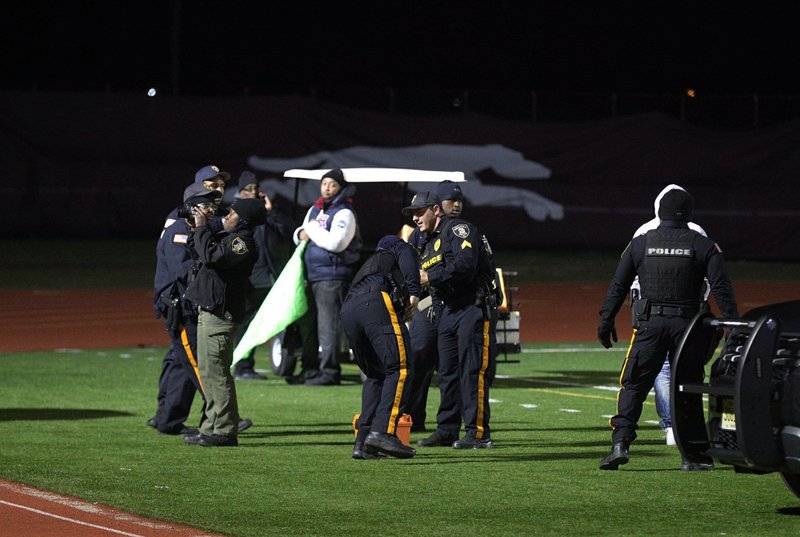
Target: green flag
285	303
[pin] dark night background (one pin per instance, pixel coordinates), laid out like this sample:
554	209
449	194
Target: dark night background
230	47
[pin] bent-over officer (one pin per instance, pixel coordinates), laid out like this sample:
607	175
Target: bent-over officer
383	295
450	266
671	262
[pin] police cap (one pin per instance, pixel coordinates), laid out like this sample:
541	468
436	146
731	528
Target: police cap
420	200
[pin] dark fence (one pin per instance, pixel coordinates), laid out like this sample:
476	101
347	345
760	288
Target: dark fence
713	111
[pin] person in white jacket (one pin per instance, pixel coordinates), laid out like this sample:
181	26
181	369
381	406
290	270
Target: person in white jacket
331	259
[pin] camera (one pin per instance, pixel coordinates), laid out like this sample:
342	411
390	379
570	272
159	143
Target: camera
187	211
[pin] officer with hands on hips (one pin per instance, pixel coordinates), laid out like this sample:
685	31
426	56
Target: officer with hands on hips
450	267
383	295
671	262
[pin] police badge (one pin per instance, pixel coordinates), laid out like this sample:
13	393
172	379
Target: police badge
238	246
461	231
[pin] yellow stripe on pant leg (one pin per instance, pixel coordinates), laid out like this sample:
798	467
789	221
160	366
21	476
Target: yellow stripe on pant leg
190	354
401	350
480	429
622	372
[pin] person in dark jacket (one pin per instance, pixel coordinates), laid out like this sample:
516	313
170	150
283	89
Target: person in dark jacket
265	271
225	262
384	294
331	259
451	266
179	380
671	262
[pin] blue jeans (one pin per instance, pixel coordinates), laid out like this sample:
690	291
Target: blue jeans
661	387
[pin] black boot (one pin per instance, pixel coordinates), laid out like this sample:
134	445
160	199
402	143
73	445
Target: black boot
618	456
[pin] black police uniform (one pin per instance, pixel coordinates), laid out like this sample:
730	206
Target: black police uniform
671	262
424	353
372	318
451	258
179	380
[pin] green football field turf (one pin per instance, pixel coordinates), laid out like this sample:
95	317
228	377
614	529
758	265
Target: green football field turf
74	422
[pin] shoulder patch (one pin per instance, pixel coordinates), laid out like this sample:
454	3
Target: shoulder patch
461	231
180	238
238	246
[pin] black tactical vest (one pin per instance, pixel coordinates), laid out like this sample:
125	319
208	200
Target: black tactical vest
380	272
670	273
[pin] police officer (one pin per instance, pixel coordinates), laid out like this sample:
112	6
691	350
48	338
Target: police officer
422	327
450	267
179	380
219	288
383	295
671	262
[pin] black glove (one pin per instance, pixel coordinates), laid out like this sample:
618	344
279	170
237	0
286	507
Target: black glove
607	332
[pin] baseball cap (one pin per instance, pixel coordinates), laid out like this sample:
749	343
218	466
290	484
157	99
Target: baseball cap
448	190
420	200
201	193
206	173
247	178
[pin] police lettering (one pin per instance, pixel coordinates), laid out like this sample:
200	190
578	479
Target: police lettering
682	252
432	261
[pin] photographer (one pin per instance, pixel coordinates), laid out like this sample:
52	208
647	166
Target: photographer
179	380
266	269
224	263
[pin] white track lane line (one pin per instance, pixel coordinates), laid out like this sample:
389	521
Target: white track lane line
59	517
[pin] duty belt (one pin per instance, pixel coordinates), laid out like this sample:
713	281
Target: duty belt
672	311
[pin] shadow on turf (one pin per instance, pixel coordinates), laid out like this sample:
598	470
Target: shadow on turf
789	511
51	414
565	379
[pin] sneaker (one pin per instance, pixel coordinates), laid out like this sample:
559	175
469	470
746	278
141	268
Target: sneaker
437	439
470	442
249	374
670	436
617	457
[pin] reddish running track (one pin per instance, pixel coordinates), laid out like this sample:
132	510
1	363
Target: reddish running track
96	319
29	512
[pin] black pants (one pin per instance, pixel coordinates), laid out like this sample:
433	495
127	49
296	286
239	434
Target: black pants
649	346
179	379
463	366
379	341
424	361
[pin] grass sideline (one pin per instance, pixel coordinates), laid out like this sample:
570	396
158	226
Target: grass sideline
73	423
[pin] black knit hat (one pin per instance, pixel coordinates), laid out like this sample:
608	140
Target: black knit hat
247	178
337	175
676	205
251	212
